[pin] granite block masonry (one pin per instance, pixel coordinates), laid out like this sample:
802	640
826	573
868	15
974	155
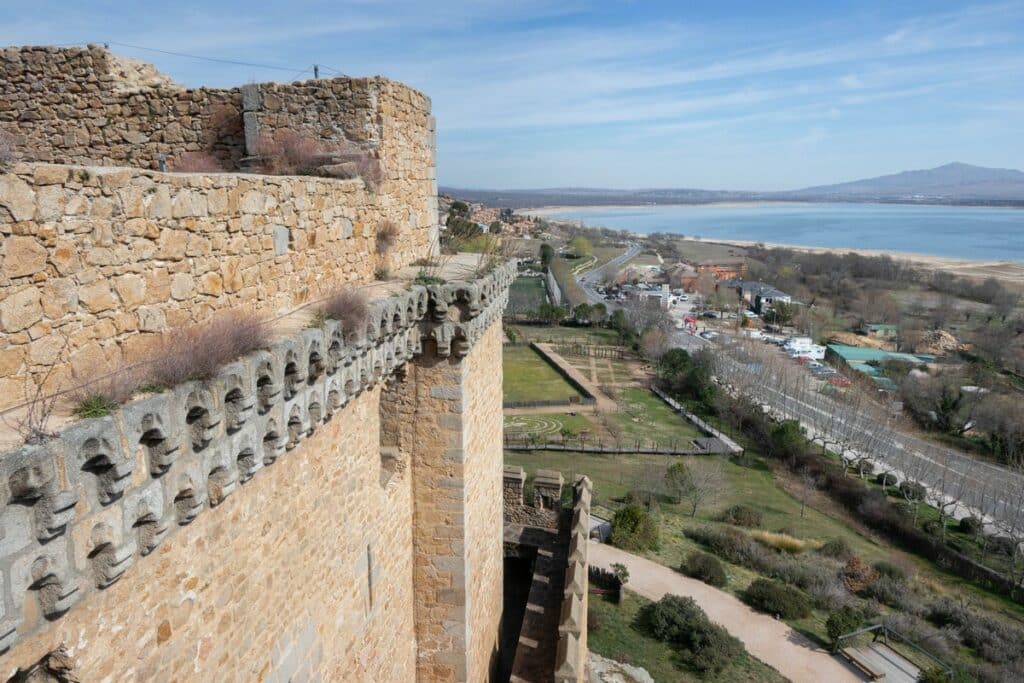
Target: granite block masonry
329	503
328	508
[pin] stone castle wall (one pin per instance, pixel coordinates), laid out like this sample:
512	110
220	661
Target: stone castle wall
86	106
327	508
268	524
107	259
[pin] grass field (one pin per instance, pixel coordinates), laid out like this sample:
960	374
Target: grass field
582	335
617	637
644	416
600	370
548	425
527	294
528	377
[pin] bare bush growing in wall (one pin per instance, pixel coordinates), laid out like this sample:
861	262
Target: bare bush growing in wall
354	161
197	162
351	308
288	152
387	236
8	151
198	352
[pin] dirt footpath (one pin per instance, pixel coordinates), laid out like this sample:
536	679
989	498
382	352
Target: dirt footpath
771	641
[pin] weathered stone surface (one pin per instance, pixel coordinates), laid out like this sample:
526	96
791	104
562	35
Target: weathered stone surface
23	256
131	288
17	197
97	297
20	309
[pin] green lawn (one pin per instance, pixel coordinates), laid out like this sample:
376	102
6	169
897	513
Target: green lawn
528	377
581	335
527	294
644	416
618	638
547	425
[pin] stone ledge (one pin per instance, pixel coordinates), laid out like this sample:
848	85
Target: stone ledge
570	660
78	515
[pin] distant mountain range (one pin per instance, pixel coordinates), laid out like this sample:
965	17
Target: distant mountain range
955	183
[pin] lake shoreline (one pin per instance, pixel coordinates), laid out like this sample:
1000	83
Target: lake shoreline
1011	270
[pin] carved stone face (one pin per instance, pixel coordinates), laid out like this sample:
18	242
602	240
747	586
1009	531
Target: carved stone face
28	482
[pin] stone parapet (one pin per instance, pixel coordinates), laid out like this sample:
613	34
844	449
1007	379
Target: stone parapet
83	507
96	262
571	658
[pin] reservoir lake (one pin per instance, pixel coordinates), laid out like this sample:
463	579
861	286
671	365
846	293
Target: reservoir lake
966	232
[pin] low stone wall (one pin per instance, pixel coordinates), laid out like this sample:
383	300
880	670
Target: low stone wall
85	507
571	658
95	262
547	494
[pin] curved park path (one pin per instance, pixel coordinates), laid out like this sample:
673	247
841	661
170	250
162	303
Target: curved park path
771	641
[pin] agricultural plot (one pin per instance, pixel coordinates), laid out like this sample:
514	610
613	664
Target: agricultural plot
528	377
643	416
527	295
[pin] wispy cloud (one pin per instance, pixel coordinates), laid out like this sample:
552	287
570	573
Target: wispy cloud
629	87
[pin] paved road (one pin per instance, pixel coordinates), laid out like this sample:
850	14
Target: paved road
771	641
590	280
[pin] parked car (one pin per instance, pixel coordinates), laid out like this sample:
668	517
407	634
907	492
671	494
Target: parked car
839	381
708	334
710	314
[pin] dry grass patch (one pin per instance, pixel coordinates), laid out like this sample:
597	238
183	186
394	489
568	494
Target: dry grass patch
198	352
784	542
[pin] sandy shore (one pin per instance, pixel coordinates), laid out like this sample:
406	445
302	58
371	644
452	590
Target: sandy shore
1003	270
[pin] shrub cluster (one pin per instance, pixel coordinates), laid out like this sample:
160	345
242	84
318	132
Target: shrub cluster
351	308
871	506
198	352
702	645
972	526
817	578
837	549
777	598
842	621
890	569
634	528
197	162
742	515
705	567
857	575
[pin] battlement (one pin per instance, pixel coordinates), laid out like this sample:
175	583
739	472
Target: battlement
108	490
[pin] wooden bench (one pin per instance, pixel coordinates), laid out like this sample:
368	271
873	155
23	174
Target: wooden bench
865	666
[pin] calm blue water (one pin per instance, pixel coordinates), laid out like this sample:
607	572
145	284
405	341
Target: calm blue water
954	231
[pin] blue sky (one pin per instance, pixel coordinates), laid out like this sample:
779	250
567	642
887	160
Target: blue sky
756	95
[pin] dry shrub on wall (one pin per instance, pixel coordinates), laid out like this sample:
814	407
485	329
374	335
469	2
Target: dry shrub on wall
387	236
351	308
197	162
288	152
366	166
8	151
198	352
